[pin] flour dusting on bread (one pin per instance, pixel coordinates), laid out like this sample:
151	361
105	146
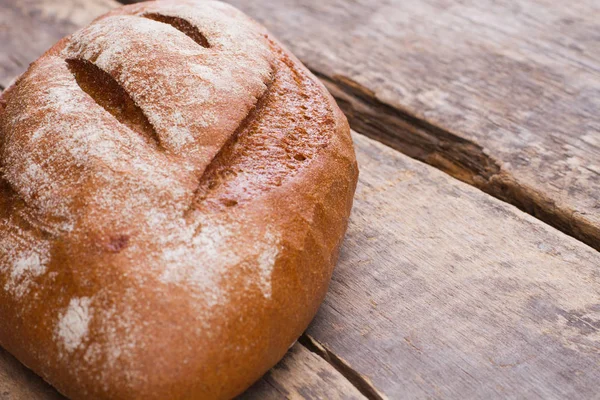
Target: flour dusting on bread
210	90
266	262
73	325
24	265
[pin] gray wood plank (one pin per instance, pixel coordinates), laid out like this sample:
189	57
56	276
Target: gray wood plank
302	375
503	95
30	27
19	383
443	291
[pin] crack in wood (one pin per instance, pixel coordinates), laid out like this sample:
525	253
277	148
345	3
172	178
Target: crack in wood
360	382
455	155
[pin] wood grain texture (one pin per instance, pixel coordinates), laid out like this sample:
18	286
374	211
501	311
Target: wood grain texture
30	27
503	95
443	291
302	375
19	383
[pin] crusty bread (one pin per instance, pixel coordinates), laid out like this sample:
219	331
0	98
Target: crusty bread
175	189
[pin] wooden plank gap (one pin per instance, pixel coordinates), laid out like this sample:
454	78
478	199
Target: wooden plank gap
360	382
449	152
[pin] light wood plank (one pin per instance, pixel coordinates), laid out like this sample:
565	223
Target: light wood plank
30	27
302	375
443	291
19	383
503	95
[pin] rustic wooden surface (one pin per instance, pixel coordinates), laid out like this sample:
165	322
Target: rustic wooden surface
30	27
442	291
19	383
302	375
504	95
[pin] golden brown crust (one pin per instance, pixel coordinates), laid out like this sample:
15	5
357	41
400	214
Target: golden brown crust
175	188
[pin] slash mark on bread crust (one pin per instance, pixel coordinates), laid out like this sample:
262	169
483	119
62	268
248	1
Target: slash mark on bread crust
209	179
111	96
181	25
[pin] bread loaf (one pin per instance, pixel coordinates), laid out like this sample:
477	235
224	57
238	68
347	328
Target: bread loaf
175	187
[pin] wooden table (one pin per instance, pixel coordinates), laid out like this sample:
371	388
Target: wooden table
462	110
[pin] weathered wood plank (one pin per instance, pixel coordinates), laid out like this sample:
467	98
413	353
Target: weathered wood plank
19	383
443	291
503	95
30	27
302	375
